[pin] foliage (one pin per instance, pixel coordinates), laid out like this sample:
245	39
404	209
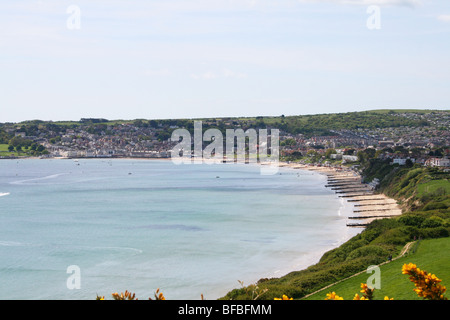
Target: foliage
131	296
284	297
427	286
428	218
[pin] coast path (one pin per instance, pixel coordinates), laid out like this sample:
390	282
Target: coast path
403	252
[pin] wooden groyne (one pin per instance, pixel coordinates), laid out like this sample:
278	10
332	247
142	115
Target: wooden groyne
370	217
367	199
348	185
354	190
378	204
371	210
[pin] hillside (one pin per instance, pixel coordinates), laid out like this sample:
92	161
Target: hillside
430	255
423	191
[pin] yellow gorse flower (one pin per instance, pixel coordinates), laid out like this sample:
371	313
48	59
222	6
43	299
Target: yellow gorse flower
159	295
333	296
368	292
285	297
124	296
427	285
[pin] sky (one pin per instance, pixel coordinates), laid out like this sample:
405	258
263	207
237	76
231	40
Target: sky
159	59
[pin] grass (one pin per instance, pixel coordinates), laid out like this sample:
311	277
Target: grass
430	255
433	186
385	111
5	152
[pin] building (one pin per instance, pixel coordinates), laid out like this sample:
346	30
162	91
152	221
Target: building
349	158
402	161
438	162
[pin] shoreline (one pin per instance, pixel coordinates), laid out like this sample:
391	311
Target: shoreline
366	205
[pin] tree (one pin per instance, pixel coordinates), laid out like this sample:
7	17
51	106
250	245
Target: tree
10	148
329	152
408	163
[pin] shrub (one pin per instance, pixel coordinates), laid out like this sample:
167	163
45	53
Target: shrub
370	250
432	222
435	206
411	220
396	236
434	233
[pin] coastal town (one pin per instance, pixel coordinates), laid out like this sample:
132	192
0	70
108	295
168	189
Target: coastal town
425	142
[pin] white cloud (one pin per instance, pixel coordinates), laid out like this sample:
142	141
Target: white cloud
225	73
231	74
408	3
444	17
206	75
158	72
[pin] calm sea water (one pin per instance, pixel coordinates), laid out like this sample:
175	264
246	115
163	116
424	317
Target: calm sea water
140	225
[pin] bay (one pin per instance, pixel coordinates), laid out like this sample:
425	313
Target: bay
139	225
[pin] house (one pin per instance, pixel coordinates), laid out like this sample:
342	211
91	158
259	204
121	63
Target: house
349	158
386	143
438	162
402	161
336	156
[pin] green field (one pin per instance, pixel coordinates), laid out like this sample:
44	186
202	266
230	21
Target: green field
433	186
4	152
430	255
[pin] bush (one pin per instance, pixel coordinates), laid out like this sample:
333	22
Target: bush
433	233
411	220
396	236
370	234
435	206
370	250
432	222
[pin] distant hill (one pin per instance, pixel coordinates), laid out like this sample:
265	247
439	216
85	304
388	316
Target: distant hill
308	125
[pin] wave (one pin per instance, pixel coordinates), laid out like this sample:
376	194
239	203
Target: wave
4	194
10	244
117	249
124	249
53	176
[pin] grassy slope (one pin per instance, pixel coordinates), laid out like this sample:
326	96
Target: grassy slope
430	220
4	150
431	255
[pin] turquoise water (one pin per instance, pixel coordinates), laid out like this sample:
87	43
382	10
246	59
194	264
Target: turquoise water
140	225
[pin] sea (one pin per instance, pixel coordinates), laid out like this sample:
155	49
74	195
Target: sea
78	229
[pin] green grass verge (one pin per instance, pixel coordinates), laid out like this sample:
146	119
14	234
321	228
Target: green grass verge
430	255
434	186
5	152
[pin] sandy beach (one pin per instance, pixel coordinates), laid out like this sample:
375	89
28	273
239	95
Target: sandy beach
368	205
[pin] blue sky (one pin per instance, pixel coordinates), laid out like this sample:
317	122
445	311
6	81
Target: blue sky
214	58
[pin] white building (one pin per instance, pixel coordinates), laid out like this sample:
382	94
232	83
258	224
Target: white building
402	161
349	158
438	162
